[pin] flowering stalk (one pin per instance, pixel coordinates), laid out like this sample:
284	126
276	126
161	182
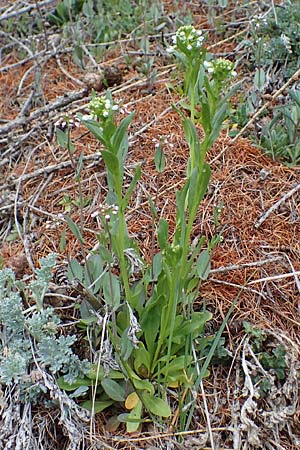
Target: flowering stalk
188	48
203	84
114	139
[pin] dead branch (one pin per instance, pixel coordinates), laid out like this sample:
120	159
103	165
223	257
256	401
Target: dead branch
57	104
276	205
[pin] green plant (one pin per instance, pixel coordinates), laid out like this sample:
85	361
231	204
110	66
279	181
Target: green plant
213	6
280	138
31	344
151	327
65	11
276	39
272	358
274	56
92	23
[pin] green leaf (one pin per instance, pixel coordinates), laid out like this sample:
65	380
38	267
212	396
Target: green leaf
98	406
133	183
78	56
192	327
143	385
111	290
259	79
206	119
75	270
181	214
111	162
150	319
74	229
156	405
52	18
62	11
94	268
203	264
73	386
163	233
177	364
204	180
295	95
142	361
159	159
191	133
105	254
96	129
121	134
156	266
113	389
133	420
63	140
194	191
126	345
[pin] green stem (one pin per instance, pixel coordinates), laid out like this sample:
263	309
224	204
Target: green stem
165	320
120	244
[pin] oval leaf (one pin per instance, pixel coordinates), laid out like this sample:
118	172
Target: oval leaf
73	386
98	406
203	265
75	229
134	418
113	389
131	400
156	405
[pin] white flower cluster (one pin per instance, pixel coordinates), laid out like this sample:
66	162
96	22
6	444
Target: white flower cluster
105	211
220	68
259	21
102	107
67	121
163	140
188	37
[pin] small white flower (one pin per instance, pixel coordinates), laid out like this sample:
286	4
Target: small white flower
189	47
105	113
170	49
115	108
